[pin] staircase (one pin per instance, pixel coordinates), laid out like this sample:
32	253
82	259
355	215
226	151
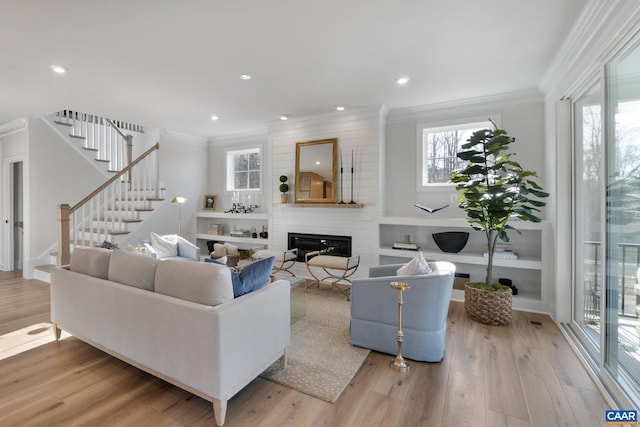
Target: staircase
109	213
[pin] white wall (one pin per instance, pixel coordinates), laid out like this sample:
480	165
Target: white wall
357	130
183	171
217	167
56	174
521	114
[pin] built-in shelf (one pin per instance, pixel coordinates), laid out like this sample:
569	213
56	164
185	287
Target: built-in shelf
217	214
232	239
231	221
529	272
325	205
452	222
475	259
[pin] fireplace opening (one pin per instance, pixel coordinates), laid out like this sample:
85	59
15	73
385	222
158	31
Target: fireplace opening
326	244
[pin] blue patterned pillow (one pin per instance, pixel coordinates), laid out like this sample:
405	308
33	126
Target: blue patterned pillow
250	277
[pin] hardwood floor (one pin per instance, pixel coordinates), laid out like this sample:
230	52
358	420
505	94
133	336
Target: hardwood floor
520	375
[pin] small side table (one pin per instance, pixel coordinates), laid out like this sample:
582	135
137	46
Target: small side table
399	364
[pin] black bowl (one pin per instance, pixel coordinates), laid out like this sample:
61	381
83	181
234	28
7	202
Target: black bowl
451	241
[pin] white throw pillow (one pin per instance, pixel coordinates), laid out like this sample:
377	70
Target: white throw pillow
165	246
418	265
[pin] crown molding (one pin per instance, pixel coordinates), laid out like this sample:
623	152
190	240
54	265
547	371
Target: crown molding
370	111
13	127
521	97
600	30
239	137
184	137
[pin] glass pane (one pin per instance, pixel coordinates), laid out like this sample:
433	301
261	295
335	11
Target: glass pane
240	181
588	199
254	161
254	180
622	356
440	147
241	162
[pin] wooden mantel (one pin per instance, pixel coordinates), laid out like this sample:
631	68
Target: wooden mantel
325	205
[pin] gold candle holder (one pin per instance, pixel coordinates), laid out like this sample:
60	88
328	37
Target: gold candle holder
398	363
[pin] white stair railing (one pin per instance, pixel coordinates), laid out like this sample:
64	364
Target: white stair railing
102	135
105	212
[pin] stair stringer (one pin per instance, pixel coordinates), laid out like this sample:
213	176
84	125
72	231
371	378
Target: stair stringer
99	166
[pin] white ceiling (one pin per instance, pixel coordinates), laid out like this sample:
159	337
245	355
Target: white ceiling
172	64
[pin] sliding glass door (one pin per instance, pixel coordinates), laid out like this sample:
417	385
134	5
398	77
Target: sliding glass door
606	234
622	214
588	281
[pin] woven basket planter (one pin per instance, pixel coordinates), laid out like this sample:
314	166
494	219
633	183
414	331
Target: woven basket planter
488	307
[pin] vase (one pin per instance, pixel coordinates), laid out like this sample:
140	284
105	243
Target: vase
284	197
488	307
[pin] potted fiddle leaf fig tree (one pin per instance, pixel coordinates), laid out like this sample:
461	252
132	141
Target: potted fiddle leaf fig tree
494	190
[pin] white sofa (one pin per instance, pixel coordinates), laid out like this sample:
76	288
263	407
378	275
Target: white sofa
142	311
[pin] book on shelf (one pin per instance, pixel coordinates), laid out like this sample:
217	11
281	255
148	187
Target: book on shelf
240	233
504	254
406	246
216	229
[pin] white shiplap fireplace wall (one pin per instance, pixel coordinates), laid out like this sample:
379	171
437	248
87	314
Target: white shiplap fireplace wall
360	131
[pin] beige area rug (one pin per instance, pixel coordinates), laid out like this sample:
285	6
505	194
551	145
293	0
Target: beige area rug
322	362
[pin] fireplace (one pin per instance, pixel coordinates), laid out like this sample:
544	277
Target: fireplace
326	244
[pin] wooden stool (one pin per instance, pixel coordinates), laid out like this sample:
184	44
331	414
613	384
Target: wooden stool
337	268
284	260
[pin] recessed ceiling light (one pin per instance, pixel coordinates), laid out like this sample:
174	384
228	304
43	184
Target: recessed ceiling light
403	80
214	117
284	117
245	76
59	69
340	107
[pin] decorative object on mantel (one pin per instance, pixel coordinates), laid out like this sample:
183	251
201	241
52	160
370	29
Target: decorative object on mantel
352	169
284	187
495	190
451	241
316	171
341	202
239	205
426	209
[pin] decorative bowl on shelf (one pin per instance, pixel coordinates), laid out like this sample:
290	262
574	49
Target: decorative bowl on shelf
451	241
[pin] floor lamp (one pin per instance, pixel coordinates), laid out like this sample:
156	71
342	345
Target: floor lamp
180	201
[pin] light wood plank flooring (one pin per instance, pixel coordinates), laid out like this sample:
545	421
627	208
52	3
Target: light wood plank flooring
520	375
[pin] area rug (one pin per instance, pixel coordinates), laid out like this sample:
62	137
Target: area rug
322	362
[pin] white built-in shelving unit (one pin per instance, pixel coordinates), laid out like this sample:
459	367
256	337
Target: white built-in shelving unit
528	272
230	222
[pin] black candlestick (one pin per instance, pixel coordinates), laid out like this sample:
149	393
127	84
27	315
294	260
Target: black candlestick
341	202
352	202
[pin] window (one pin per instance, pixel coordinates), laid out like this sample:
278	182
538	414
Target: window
244	169
439	147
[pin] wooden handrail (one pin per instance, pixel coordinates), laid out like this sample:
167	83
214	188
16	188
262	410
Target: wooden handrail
113	125
65	211
114	178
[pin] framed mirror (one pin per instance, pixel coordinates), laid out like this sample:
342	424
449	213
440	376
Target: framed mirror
316	171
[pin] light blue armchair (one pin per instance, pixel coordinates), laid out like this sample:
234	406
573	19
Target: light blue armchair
374	311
